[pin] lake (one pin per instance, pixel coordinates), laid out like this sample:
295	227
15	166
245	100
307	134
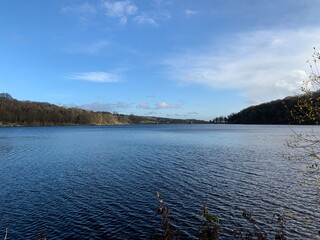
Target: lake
101	182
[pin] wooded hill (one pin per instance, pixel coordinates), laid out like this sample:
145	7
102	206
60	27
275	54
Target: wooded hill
274	112
27	113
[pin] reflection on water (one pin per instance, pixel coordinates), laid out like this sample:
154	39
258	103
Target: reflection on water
100	182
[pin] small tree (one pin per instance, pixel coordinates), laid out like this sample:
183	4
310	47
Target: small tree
307	111
210	226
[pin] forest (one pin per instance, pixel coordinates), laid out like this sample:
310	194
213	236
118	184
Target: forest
285	111
28	113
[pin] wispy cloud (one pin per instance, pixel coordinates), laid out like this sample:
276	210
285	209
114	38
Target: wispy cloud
152	18
82	11
188	12
97	107
164	105
105	107
144	106
262	65
99	77
122	105
120	10
145	19
179	116
150	113
159	106
90	49
160	3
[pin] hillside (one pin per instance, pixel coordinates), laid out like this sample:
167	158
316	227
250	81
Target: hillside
274	112
27	113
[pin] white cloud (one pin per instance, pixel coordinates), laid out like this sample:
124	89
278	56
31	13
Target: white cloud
164	105
122	105
159	106
145	20
190	12
100	77
152	18
120	9
178	116
261	65
97	107
105	107
82	11
83	8
144	105
162	16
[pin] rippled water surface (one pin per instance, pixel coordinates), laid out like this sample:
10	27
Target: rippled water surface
100	182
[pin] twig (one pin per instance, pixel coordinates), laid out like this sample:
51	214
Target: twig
6	234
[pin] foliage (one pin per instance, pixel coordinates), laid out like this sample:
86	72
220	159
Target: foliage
307	109
274	112
219	120
26	113
208	229
210	226
306	146
211	229
168	231
257	232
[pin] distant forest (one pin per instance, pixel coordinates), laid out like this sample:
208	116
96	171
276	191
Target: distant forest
275	112
27	113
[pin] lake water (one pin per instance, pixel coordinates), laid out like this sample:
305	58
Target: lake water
101	182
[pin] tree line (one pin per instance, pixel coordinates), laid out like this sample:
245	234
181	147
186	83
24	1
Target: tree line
286	111
27	113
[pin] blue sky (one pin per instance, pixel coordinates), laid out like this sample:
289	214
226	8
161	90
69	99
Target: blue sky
171	58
